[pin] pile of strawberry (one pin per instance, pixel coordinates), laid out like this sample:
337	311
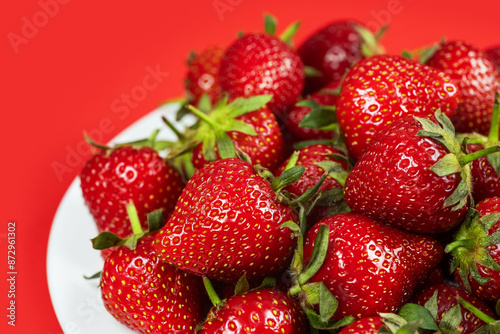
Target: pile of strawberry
325	188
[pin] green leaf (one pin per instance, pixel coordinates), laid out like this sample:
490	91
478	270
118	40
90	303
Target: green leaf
289	32
204	104
96	275
239	126
427	53
447	165
311	72
335	170
432	306
319	117
330	197
451	320
393	321
269	24
327	303
288	177
411	312
106	240
267	283
318	254
446	123
311	191
292	161
242	106
225	145
370	45
494	160
209	147
488	221
242	286
156	220
406	54
315	321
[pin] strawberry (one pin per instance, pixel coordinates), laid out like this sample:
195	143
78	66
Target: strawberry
324	99
369	325
146	294
263	64
309	157
414	176
494	54
371	267
476	255
203	75
265	311
248	125
227	223
477	79
333	50
442	299
382	89
115	176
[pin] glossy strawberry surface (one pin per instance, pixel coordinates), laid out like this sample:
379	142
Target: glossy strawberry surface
266	311
491	289
447	298
477	79
371	267
262	64
486	182
148	295
266	149
392	182
494	54
382	89
226	223
203	75
369	325
332	50
111	179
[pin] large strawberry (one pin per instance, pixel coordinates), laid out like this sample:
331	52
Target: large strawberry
368	325
382	89
477	79
265	311
227	223
333	50
203	75
371	267
476	255
414	176
115	176
261	63
246	124
449	316
494	54
144	293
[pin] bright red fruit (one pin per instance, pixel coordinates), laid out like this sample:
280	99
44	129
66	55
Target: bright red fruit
266	311
382	89
332	50
262	64
371	267
476	255
477	79
203	75
113	178
148	295
393	183
226	223
447	298
369	325
486	182
494	54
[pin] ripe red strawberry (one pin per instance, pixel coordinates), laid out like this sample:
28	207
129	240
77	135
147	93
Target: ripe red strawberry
309	157
203	75
446	298
324	98
262	64
148	295
226	223
414	176
266	311
476	254
332	51
494	54
113	177
382	89
371	267
369	325
477	79
266	148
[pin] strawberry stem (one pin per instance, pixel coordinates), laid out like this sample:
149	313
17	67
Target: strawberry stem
466	243
214	298
173	128
93	143
476	155
201	115
493	135
477	312
134	218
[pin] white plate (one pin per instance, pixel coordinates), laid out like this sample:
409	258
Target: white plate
77	302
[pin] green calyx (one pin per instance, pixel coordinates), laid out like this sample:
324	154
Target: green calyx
107	240
320	117
270	24
370	43
469	248
213	127
457	161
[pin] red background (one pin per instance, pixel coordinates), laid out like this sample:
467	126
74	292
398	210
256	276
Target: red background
68	75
